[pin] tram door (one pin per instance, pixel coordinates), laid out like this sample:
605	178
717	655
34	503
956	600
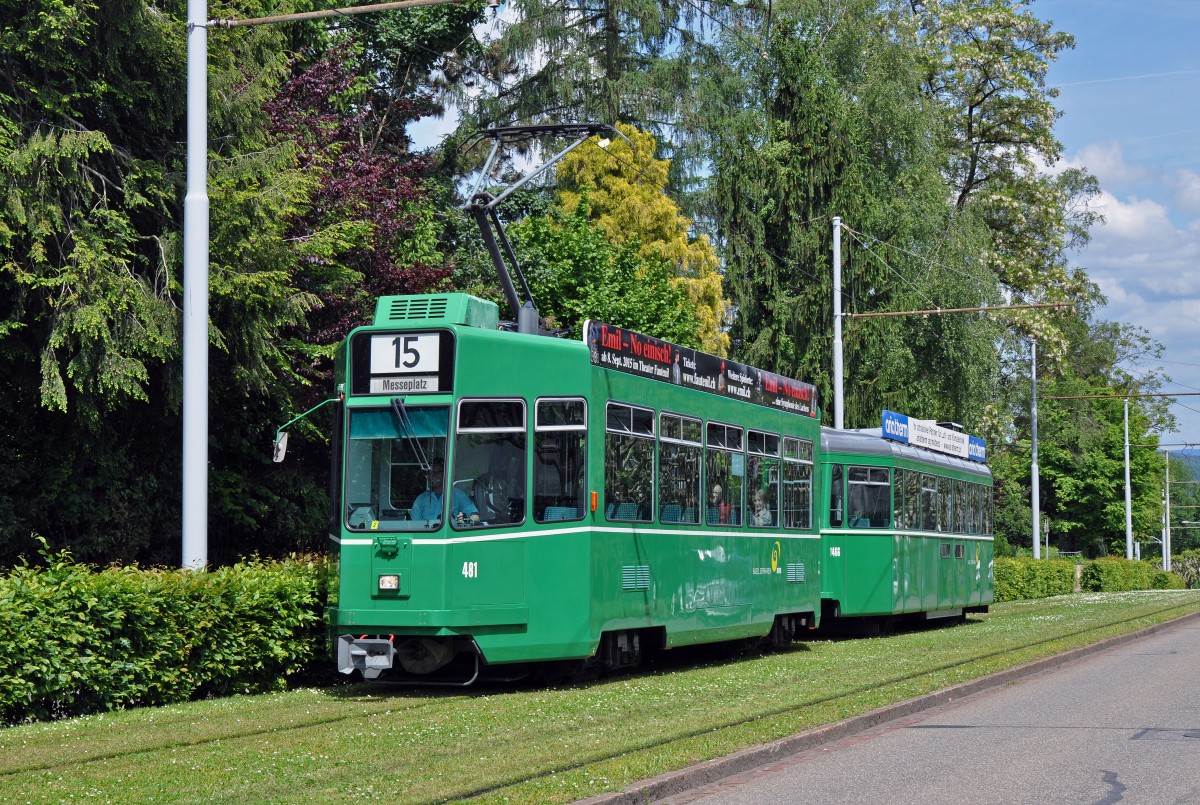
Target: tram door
833	538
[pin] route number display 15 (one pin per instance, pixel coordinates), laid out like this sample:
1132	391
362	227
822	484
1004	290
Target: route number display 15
402	362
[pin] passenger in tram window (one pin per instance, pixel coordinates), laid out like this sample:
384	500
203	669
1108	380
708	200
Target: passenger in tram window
761	514
718	509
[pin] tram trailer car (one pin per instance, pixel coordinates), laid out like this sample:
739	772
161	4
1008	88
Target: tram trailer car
907	533
599	498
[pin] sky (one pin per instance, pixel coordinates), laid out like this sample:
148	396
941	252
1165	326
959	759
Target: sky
1130	98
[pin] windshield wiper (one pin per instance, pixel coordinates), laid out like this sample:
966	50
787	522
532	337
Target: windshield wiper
409	432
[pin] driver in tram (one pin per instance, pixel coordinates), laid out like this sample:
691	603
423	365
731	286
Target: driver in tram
428	505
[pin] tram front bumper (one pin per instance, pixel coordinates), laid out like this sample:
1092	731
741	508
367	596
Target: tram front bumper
370	655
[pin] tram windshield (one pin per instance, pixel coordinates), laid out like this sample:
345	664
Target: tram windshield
395	469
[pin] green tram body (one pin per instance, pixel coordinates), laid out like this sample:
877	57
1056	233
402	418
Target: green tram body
420	600
569	569
907	531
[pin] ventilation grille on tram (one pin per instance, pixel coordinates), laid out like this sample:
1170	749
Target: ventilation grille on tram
409	308
635	577
437	310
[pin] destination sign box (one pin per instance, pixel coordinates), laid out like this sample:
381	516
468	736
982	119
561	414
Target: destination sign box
401	363
645	356
928	434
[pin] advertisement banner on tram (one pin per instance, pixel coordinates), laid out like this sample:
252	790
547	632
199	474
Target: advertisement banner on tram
928	434
624	350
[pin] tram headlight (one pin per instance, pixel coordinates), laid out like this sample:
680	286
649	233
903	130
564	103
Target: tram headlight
389	582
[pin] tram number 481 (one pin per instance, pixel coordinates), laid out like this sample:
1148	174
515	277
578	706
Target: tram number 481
470	570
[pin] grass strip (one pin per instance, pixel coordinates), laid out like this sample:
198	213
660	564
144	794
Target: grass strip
504	744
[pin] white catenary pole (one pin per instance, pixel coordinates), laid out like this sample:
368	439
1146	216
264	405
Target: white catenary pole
837	324
1034	493
1128	496
1166	538
195	296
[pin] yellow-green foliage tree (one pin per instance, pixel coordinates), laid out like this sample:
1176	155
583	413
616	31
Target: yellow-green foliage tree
624	185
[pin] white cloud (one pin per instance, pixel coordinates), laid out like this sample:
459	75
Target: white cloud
1106	161
1186	186
1147	267
1137	219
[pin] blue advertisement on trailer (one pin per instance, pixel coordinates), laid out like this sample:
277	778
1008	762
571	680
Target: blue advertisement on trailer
928	434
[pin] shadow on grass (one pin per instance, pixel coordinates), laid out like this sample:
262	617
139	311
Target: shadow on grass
565	675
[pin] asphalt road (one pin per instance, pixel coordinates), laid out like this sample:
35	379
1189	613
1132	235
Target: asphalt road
1122	725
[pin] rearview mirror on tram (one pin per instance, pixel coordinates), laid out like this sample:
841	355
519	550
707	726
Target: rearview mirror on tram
280	446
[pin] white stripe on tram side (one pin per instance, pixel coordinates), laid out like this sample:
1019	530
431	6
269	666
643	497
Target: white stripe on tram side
498	537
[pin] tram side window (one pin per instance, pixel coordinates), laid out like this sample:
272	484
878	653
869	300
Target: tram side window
725	466
560	460
987	510
629	463
929	509
680	454
870	497
762	479
976	509
945	502
489	459
836	495
972	504
961	524
912	500
797	483
898	476
388	453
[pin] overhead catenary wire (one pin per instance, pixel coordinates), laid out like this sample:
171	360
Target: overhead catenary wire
234	22
984	308
859	236
886	265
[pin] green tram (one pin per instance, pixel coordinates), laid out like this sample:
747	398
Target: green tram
907	532
503	498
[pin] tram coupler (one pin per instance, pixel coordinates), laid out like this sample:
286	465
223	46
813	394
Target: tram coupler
371	655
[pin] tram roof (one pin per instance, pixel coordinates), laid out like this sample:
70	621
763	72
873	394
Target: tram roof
870	441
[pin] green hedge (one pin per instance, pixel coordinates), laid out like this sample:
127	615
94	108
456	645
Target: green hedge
75	640
1019	578
1117	575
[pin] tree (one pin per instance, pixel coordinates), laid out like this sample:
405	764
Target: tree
985	64
612	60
1081	445
834	123
326	215
1185	500
83	193
578	273
89	118
91	133
625	189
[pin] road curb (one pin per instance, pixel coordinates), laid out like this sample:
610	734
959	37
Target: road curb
710	771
